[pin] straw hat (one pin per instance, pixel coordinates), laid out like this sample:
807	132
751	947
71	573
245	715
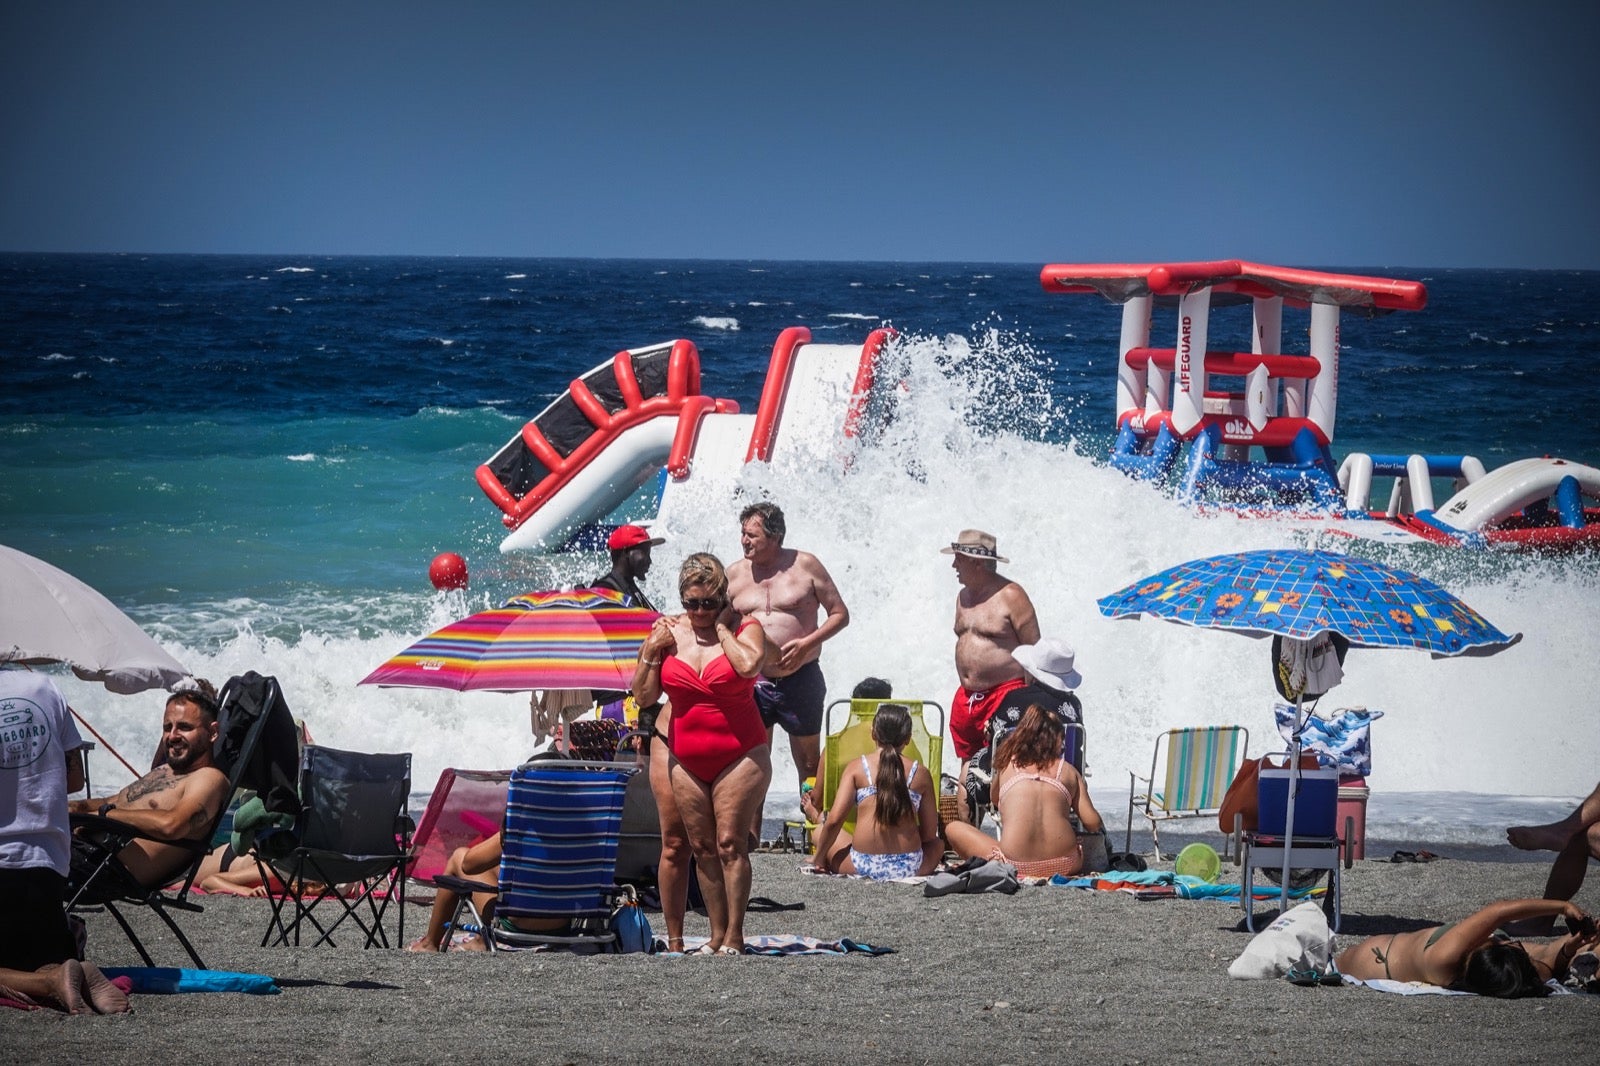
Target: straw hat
977	544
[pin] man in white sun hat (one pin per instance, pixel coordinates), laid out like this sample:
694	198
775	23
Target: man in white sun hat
993	618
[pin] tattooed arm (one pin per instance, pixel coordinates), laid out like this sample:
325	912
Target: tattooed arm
156	781
170	806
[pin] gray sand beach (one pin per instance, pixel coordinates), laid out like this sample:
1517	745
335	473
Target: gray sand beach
1041	976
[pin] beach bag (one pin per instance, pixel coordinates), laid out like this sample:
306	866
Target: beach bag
1298	940
974	876
1343	742
630	924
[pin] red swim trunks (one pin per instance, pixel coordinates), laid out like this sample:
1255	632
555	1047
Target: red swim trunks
969	715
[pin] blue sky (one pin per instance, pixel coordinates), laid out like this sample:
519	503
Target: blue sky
1372	134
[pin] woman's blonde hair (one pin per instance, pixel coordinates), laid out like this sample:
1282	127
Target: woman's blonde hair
703	568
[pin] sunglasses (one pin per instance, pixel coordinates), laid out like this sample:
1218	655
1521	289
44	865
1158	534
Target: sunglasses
713	604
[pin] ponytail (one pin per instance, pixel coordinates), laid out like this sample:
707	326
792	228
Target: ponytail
891	729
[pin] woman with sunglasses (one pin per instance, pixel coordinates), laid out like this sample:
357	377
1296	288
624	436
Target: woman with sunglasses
1469	956
713	773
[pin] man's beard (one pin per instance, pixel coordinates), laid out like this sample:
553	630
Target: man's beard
187	762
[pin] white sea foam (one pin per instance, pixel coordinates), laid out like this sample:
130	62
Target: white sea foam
966	448
304	457
853	316
716	322
56	357
295	270
515	277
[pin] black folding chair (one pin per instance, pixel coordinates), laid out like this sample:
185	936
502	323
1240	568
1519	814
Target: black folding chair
353	831
253	720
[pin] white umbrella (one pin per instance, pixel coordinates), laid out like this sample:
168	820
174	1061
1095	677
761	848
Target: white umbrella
49	616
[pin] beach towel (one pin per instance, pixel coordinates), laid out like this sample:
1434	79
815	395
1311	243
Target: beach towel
1164	884
168	979
1422	988
783	944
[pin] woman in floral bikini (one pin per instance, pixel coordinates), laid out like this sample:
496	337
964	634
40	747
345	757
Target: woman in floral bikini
897	823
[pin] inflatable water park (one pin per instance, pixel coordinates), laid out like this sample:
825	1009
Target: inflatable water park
1247	429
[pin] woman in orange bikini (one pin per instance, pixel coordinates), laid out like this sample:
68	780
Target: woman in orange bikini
1467	955
1036	795
712	774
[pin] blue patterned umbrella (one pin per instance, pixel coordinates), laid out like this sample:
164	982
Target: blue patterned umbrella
1303	593
1300	594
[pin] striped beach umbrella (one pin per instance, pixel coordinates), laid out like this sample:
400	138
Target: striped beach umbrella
586	638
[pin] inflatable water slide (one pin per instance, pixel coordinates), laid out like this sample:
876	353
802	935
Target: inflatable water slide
1252	430
641	416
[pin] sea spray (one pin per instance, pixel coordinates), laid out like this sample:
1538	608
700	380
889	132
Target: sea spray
974	439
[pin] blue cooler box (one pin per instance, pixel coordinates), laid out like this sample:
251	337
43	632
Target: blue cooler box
1315	808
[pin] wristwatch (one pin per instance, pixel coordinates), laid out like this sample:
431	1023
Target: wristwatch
106	807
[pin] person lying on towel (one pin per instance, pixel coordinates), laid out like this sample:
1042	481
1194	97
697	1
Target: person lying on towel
1468	956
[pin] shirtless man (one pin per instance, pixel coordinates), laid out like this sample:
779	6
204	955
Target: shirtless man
178	800
784	589
993	617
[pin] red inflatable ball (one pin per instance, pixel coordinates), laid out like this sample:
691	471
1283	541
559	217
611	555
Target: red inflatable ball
448	571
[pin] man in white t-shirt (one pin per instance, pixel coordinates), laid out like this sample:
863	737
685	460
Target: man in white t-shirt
40	764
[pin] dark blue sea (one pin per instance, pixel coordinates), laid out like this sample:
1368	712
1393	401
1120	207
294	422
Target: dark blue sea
257	456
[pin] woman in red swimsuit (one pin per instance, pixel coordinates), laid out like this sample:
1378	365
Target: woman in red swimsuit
711	774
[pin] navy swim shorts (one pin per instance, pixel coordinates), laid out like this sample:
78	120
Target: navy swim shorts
793	701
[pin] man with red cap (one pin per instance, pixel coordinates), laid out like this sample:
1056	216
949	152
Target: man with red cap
630	562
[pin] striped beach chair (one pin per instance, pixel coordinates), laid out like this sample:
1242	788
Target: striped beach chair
563	822
1200	764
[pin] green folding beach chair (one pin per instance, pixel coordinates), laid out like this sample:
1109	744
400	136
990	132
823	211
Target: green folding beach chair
1200	764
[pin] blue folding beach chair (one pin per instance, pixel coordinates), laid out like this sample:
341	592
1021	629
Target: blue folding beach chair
558	860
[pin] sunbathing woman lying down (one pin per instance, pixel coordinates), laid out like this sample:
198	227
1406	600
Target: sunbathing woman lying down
1467	955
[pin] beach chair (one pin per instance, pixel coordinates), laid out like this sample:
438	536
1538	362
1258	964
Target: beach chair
466	807
1199	765
353	831
1317	845
558	863
847	735
254	729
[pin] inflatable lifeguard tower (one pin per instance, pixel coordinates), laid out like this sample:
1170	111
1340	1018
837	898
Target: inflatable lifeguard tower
1257	425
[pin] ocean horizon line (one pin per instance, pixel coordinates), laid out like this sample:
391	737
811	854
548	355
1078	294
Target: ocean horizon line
784	260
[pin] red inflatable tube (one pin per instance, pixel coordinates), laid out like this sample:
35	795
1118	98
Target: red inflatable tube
866	374
779	367
692	412
1241	363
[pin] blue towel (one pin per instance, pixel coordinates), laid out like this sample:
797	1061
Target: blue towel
167	979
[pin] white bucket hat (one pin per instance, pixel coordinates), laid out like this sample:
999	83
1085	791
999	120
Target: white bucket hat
1049	661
